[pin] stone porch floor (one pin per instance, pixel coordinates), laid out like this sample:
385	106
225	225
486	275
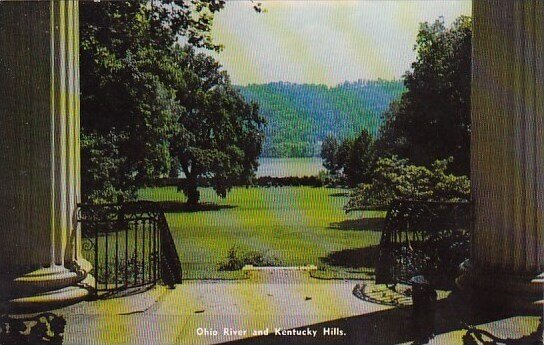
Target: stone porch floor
268	301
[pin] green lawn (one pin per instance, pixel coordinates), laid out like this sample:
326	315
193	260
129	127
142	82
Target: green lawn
299	225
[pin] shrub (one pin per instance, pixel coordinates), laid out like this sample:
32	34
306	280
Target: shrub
395	179
238	258
263	181
328	179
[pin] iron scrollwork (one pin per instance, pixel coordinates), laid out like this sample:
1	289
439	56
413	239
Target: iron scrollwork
129	245
423	237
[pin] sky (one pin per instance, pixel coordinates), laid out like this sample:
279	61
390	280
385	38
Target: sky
324	41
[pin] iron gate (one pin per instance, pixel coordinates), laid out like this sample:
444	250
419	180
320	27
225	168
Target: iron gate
129	245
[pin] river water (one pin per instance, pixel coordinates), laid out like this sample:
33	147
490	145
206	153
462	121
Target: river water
282	167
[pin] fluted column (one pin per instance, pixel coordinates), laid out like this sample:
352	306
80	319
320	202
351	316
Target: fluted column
40	259
507	150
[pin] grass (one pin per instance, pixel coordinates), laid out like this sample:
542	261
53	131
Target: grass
299	225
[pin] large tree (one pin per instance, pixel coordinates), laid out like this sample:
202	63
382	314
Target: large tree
359	158
432	119
329	154
352	160
134	88
133	105
219	136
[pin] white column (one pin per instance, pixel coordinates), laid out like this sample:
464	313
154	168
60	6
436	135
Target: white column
40	260
507	150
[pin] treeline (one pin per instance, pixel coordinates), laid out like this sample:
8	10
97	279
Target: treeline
262	181
300	116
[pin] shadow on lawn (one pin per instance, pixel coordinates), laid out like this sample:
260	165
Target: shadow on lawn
353	258
394	326
363	224
180	207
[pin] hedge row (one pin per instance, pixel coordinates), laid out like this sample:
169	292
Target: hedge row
264	181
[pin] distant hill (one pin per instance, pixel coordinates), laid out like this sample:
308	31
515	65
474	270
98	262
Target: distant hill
300	116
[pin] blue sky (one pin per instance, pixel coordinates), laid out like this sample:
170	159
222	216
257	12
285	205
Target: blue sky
324	41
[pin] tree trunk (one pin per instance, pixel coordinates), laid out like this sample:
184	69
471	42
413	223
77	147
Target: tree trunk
191	191
193	196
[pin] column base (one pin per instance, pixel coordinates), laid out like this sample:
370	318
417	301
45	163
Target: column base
45	289
499	291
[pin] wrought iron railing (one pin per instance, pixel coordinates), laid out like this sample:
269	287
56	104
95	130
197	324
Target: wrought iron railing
129	245
424	237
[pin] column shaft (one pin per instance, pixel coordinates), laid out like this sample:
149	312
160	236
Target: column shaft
507	149
39	147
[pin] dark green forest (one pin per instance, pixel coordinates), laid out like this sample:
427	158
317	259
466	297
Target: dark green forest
300	116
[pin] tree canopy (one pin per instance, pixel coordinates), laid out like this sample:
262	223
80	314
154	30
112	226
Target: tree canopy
350	161
358	158
140	91
329	154
396	178
432	118
219	135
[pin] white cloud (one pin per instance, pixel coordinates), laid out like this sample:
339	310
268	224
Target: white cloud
324	41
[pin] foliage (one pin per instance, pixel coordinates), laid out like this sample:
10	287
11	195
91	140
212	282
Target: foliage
132	270
101	179
130	103
121	26
432	119
267	181
220	134
301	116
319	180
154	98
395	178
352	161
127	66
358	159
238	258
329	154
325	179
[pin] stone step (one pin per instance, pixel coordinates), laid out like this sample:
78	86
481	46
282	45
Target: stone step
279	275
